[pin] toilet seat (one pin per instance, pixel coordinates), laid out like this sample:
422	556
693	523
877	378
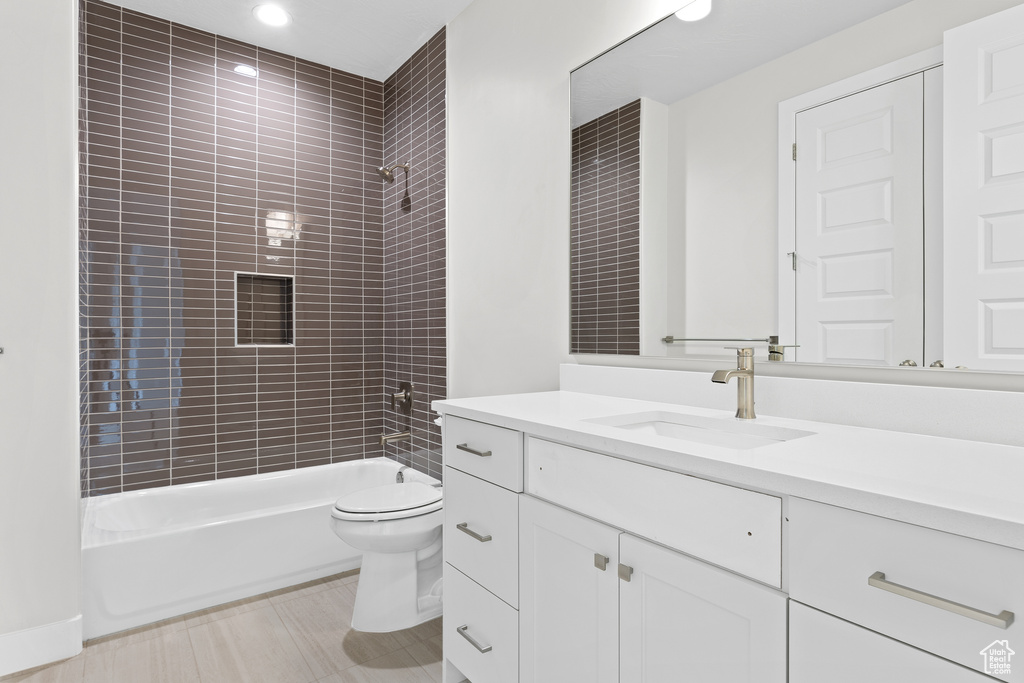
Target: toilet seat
391	501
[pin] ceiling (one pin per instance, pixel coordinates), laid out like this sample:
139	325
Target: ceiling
675	59
370	38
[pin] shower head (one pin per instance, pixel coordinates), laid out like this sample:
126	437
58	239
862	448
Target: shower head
388	173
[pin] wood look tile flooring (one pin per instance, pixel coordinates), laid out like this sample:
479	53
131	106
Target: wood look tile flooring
295	635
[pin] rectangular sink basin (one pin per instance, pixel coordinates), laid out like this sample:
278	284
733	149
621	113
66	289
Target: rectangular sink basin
728	432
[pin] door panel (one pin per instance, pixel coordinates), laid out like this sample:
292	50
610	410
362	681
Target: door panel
860	227
984	193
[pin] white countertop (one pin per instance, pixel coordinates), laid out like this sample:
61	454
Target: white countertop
965	487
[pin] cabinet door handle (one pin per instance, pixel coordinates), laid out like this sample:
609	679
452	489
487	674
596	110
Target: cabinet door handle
600	561
483	649
1001	620
625	572
465	447
464	527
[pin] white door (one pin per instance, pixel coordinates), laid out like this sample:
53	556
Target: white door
684	620
568	601
860	227
824	648
984	193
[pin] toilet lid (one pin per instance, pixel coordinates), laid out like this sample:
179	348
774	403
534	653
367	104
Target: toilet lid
389	498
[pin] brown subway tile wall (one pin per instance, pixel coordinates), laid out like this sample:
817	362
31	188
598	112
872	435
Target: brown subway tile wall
605	229
192	172
414	250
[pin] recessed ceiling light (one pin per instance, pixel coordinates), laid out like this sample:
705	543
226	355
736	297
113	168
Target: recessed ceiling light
272	15
695	11
247	70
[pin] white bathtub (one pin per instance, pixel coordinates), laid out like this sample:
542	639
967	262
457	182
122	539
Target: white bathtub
158	553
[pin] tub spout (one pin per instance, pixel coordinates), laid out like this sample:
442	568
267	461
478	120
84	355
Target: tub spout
396	436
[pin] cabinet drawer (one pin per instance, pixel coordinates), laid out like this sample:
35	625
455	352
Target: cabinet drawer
823	648
834	551
488	512
469	610
485	451
734	528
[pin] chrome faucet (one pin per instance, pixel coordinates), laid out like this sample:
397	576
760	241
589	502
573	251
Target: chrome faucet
400	477
744	374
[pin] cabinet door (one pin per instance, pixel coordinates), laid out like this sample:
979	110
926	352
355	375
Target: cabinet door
684	620
984	193
568	603
824	648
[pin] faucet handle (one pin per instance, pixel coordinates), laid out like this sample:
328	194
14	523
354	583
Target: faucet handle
742	351
777	351
402	399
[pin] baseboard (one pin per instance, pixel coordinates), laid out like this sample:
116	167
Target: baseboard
41	645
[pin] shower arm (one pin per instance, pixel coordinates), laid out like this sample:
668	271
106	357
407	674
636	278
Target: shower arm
388	172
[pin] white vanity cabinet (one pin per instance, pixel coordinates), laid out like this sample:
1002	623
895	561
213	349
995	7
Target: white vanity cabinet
599	604
948	595
566	563
483	478
571	597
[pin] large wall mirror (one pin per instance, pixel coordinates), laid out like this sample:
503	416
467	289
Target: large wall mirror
688	222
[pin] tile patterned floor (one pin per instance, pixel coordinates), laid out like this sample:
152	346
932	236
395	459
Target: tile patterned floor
296	635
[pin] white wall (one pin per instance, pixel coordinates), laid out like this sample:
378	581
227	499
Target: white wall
508	182
724	152
39	490
654	200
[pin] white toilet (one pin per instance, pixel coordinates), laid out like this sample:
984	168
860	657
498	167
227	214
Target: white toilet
398	528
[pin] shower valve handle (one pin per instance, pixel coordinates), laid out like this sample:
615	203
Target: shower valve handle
403	398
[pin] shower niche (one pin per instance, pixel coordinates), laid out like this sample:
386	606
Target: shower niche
264	310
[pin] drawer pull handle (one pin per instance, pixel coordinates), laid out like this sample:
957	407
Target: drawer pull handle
484	649
600	561
464	527
465	447
625	572
1001	620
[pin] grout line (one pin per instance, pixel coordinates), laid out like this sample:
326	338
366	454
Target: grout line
295	643
120	245
192	649
216	313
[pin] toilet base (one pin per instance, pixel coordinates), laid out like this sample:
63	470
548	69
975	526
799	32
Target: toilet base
398	590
